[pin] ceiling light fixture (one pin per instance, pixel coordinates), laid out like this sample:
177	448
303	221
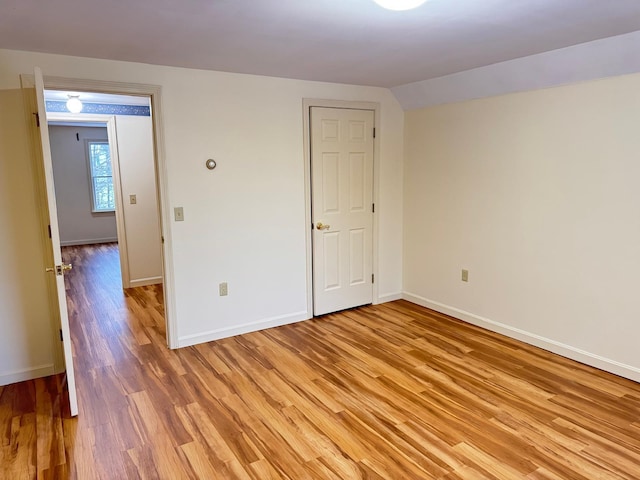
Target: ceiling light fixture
399	4
74	105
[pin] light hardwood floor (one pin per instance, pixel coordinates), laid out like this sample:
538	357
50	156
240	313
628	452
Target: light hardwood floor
392	391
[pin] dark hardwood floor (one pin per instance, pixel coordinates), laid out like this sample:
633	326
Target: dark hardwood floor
392	391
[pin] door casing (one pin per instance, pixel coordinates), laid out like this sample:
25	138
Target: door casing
154	93
307	103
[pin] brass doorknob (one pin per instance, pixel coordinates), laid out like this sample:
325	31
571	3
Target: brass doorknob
60	269
322	226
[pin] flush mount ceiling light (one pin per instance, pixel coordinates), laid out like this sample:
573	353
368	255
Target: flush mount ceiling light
399	4
74	105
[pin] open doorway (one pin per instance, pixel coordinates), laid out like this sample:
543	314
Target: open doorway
106	193
165	335
83	173
105	179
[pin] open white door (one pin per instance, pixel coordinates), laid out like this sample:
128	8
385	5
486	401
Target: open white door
341	203
58	268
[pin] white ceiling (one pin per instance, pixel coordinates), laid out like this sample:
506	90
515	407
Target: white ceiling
345	41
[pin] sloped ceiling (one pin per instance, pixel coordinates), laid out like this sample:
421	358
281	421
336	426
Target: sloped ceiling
344	41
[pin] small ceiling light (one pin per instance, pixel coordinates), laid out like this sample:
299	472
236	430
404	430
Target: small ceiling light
74	105
399	4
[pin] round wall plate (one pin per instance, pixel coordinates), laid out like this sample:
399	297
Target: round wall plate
211	164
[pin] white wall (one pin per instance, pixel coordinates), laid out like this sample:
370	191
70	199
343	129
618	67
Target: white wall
244	221
78	224
26	334
536	194
141	220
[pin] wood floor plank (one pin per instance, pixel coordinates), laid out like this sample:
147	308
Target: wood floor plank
199	460
388	391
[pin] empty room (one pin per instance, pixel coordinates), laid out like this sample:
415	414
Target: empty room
385	239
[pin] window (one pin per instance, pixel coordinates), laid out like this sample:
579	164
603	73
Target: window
102	194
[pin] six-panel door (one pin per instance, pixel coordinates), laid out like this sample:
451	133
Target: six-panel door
342	200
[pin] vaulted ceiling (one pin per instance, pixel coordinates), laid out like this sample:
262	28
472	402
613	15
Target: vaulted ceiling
345	41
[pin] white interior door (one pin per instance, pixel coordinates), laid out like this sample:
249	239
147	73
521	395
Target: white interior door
58	268
342	208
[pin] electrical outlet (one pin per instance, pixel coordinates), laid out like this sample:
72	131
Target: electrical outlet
224	289
465	275
178	214
133	199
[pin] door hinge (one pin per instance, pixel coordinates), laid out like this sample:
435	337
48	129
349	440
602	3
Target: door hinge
37	119
373	278
374	132
49	229
373	208
61	335
162	240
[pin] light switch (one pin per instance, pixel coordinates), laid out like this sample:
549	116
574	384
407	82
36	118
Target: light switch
132	199
178	214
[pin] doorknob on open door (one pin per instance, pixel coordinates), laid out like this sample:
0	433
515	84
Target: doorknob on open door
60	269
322	226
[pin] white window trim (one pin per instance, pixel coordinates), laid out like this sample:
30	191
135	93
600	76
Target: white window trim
87	143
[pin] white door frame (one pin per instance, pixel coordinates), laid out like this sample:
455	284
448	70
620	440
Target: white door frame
307	103
162	182
110	124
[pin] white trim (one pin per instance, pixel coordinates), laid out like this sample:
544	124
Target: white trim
27	374
88	241
219	333
121	229
389	297
574	353
155	94
100	212
92	118
307	103
141	282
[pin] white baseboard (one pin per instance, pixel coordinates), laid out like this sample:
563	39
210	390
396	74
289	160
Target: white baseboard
87	241
597	361
141	282
26	374
388	297
212	335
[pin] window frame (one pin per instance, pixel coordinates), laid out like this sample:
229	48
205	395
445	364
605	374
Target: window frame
92	190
